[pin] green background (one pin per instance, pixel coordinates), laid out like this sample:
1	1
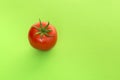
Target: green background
88	46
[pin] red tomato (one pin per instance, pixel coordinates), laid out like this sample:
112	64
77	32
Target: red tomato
42	36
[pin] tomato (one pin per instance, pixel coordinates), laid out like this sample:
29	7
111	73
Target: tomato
42	36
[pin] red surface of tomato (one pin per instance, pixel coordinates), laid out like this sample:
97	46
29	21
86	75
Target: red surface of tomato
42	36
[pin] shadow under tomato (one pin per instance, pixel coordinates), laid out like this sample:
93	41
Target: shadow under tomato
33	61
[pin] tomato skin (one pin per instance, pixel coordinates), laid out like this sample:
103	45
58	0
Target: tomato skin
44	43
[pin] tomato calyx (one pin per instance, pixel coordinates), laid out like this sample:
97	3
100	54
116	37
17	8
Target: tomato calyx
42	30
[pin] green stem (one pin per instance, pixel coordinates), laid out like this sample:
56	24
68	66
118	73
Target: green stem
43	30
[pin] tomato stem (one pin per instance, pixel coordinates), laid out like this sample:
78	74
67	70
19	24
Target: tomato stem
47	25
43	30
40	22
